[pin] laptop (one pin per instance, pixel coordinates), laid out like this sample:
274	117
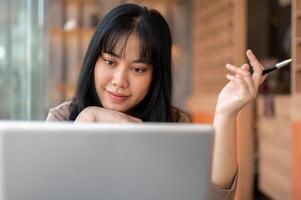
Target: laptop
65	161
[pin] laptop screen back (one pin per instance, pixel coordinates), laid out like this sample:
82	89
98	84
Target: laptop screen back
104	161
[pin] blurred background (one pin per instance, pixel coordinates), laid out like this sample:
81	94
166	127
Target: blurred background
43	42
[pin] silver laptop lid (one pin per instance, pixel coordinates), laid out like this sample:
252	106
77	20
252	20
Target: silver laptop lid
40	161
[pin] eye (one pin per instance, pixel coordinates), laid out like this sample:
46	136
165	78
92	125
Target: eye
138	70
108	62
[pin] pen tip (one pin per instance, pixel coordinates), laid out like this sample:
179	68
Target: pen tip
286	61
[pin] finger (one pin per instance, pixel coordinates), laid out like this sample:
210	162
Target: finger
238	81
245	67
257	68
237	70
230	77
243	73
248	79
254	61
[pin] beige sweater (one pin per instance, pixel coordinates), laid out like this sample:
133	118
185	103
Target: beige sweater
62	112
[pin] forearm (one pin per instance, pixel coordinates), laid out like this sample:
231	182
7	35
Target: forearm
224	152
241	89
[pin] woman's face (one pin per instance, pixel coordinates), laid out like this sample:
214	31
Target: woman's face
122	82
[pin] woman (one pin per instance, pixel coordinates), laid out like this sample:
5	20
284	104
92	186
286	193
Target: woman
126	77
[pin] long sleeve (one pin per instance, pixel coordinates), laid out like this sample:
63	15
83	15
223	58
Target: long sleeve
59	113
217	193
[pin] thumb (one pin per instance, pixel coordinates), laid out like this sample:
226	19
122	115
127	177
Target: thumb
245	67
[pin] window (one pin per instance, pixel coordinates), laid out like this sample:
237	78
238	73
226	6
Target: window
21	59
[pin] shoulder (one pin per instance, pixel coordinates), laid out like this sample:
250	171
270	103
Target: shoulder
60	112
180	116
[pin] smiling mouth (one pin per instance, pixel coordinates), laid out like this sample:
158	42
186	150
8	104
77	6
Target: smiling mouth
116	97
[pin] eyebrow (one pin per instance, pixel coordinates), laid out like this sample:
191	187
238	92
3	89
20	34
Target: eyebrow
139	60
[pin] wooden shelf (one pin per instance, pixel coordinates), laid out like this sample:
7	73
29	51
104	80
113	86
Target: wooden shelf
298	40
298	14
298	68
68	47
60	30
79	1
297	5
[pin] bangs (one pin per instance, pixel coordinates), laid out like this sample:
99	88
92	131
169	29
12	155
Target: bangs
120	38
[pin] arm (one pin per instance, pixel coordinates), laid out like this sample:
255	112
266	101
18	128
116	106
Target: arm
98	114
240	90
224	153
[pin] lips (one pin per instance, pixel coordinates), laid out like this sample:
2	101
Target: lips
117	97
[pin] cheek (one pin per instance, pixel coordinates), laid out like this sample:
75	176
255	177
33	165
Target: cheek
142	86
101	76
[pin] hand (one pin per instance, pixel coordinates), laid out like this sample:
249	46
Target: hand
241	88
98	114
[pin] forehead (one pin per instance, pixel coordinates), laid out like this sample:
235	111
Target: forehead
128	47
125	44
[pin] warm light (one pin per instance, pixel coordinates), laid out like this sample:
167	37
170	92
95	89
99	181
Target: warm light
2	52
175	51
71	24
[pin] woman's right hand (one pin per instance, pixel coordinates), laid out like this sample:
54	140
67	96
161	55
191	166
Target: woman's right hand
98	114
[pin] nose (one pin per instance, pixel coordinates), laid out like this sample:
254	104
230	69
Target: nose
120	77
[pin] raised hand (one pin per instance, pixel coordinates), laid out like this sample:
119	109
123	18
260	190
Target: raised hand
241	88
98	114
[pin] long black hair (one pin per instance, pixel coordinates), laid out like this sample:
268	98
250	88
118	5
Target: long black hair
155	48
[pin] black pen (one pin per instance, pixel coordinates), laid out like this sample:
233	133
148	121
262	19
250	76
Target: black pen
276	66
